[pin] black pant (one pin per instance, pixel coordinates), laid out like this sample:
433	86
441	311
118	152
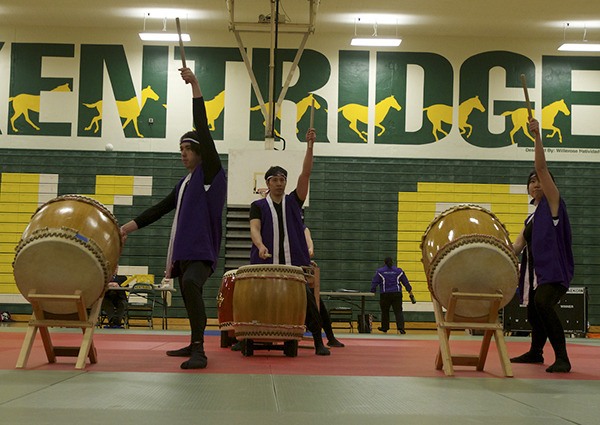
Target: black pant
313	317
114	305
192	277
324	316
544	321
394	300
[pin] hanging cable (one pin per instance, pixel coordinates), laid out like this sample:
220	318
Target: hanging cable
276	95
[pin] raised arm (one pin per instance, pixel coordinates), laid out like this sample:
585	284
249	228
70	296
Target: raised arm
190	78
211	163
541	168
304	177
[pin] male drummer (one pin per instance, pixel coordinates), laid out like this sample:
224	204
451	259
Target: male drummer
198	201
277	242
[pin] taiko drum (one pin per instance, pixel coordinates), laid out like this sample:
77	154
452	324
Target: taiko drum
269	302
71	243
225	301
466	248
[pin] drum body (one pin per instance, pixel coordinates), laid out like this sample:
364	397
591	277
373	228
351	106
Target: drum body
466	248
269	302
71	243
225	301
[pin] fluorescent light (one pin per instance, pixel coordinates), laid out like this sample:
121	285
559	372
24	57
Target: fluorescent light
163	36
376	41
580	47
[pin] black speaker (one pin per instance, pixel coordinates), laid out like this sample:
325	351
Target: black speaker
571	309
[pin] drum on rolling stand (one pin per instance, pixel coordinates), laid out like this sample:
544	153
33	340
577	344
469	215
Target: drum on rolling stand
269	305
225	308
71	243
466	248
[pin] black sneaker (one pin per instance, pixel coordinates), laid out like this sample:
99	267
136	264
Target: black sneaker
182	352
335	343
382	330
560	366
528	357
322	351
197	359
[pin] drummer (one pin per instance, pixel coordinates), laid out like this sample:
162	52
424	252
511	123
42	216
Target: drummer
198	201
547	264
276	242
332	341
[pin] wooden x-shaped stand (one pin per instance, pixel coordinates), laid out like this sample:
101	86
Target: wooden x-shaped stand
40	321
490	326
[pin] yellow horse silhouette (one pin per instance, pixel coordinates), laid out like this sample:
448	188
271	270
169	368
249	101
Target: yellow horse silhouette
128	109
439	113
301	108
520	119
214	108
354	113
23	103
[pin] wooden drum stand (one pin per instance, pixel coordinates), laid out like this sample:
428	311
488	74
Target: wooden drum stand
489	325
40	321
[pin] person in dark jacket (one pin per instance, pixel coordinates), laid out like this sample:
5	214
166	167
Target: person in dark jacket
114	303
198	200
390	279
547	264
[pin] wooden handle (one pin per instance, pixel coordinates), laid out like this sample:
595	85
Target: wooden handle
181	50
524	83
312	113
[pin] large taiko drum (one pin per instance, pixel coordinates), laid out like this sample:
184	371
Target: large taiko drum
466	248
269	302
225	301
71	243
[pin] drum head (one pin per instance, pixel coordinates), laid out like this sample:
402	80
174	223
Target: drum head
475	267
457	222
58	266
270	271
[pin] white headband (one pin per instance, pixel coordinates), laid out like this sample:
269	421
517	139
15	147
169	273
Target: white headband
187	139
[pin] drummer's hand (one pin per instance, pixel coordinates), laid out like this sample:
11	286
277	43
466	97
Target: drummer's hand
534	126
263	253
123	234
311	136
188	75
113	285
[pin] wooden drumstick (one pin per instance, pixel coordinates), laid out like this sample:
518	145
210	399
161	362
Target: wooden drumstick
181	50
312	113
524	83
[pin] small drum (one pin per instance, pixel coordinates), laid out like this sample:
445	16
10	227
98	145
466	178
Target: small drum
71	243
269	302
310	275
225	301
466	248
